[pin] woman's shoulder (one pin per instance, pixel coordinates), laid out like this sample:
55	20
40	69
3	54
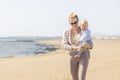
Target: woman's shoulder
66	31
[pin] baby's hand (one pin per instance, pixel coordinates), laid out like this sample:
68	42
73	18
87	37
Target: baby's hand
76	56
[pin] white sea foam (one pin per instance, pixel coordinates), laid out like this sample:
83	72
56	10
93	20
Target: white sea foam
106	37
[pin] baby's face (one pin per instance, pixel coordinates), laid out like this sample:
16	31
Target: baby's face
84	26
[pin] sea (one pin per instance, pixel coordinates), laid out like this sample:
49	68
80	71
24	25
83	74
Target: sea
24	46
28	46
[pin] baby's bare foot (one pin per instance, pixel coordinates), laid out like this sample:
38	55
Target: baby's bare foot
76	56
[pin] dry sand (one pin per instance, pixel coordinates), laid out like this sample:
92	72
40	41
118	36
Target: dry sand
104	64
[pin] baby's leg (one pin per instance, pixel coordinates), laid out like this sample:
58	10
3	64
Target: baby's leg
82	45
77	55
79	52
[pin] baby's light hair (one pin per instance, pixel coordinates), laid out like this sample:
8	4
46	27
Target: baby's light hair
84	22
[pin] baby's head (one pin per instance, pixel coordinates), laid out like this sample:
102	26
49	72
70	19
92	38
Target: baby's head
84	24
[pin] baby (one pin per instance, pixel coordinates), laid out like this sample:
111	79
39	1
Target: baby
85	39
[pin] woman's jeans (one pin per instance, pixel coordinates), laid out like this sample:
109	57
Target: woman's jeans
78	66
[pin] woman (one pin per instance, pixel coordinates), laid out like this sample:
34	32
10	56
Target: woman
70	41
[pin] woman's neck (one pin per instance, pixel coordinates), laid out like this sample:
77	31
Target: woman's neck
74	28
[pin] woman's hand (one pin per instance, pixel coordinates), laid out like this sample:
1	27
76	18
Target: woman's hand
80	49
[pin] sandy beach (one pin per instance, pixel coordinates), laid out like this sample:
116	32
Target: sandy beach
104	64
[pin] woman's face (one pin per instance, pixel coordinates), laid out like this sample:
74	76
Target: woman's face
73	21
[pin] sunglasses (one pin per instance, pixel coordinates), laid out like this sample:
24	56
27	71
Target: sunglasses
74	22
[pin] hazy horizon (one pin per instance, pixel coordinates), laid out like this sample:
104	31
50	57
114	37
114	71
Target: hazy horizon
50	18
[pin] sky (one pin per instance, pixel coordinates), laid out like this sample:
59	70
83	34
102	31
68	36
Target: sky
50	17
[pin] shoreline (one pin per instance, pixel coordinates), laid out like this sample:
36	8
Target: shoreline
10	49
46	42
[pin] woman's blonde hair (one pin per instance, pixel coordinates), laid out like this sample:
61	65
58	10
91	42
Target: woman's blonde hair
73	15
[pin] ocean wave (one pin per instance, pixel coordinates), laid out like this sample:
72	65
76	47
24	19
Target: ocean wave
23	48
